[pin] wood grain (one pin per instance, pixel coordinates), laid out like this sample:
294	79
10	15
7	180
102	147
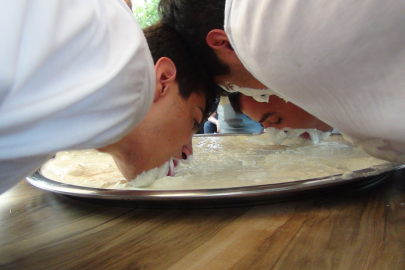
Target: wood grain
357	229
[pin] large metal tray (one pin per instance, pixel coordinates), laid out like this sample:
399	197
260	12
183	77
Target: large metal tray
219	197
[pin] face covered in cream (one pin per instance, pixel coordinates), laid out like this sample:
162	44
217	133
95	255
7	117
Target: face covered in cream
164	133
282	119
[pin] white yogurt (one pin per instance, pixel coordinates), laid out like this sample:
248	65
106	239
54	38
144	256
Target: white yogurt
293	136
145	179
220	162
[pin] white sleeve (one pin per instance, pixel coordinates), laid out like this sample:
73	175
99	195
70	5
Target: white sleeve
342	61
73	74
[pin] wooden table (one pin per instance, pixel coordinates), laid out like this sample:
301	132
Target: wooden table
356	229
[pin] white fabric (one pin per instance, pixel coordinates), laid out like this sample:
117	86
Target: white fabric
342	61
73	74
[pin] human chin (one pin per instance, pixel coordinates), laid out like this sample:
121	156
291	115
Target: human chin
320	125
157	166
146	178
301	119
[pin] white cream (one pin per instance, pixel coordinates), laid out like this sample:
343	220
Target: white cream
260	95
287	135
145	179
220	162
235	161
88	168
189	160
380	148
95	169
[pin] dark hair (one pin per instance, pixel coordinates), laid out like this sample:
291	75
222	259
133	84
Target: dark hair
234	99
194	19
191	76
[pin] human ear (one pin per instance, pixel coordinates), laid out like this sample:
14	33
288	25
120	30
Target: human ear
219	42
165	71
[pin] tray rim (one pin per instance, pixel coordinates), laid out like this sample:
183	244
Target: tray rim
241	195
362	177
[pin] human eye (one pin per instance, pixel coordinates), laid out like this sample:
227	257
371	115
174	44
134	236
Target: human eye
198	118
196	125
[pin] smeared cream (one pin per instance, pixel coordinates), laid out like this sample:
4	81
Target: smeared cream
145	179
219	162
293	136
380	148
260	95
166	171
189	160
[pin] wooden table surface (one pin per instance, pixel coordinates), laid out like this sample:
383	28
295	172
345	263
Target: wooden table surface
355	229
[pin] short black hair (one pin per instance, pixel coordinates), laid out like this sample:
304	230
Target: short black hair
193	20
191	76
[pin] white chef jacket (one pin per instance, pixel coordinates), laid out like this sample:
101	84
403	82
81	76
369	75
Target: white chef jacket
342	61
74	74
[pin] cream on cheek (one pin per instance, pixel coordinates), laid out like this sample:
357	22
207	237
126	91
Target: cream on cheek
148	177
260	95
295	136
281	130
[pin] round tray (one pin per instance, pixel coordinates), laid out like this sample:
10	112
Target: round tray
220	197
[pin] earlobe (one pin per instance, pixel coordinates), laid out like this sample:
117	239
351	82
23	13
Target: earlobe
165	71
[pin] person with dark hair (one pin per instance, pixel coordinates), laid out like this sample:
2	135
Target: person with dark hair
191	76
185	97
201	23
272	113
343	62
194	20
79	76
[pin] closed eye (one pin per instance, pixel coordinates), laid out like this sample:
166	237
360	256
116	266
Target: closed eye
196	125
273	118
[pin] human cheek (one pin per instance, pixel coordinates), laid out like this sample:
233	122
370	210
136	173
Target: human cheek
182	146
284	124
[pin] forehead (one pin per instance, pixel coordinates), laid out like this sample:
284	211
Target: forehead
253	108
256	110
197	99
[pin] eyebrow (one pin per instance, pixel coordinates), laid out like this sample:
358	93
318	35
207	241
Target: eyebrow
264	117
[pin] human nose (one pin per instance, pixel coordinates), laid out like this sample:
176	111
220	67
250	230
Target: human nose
187	150
265	125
